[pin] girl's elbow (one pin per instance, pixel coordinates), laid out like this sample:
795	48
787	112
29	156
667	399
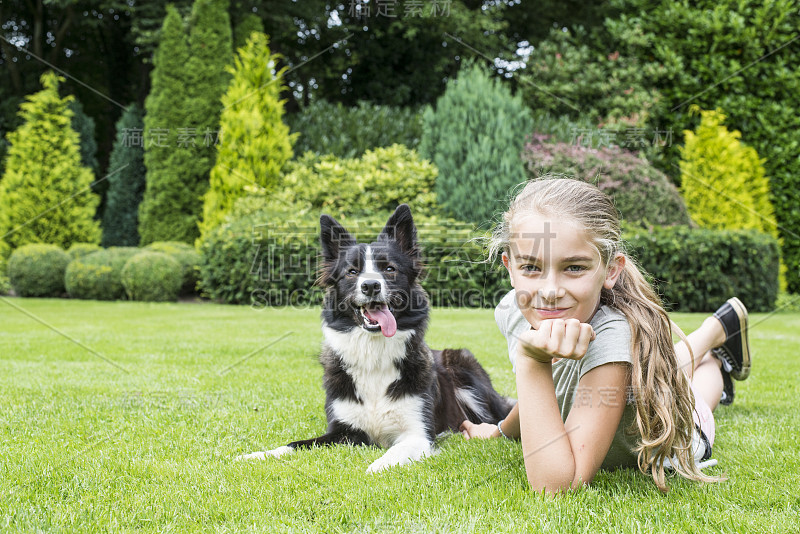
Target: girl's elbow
555	484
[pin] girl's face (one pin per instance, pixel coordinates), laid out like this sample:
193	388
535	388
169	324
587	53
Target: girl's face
556	271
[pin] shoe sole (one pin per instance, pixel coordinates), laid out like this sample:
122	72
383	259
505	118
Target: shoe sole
741	312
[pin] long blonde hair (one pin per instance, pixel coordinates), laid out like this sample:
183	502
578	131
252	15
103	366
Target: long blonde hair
664	399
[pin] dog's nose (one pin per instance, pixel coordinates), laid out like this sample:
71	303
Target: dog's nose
371	288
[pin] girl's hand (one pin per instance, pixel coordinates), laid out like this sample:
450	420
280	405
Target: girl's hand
556	338
482	431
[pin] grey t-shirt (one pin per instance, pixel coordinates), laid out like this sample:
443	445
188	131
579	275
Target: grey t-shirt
612	344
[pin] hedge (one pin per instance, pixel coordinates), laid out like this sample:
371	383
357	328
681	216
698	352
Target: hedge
272	261
696	270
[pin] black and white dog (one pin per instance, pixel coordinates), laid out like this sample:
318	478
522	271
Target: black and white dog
383	385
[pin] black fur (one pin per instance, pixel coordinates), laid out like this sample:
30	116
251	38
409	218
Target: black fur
431	376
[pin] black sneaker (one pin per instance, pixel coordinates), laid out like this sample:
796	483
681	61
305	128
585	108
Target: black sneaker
735	352
726	399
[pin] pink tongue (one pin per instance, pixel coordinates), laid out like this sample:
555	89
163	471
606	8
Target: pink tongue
384	318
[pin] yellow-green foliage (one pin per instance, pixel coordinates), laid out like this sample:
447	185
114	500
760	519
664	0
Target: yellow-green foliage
255	143
377	182
723	180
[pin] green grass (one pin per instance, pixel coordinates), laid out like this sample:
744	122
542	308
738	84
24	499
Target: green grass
90	446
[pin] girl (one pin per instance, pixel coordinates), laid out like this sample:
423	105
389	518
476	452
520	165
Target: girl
599	381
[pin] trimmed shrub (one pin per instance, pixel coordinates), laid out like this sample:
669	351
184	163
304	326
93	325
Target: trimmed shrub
722	179
38	270
152	276
186	256
378	182
474	138
643	194
696	270
98	275
78	250
345	132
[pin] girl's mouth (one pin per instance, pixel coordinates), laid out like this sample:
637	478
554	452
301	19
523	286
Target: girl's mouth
551	313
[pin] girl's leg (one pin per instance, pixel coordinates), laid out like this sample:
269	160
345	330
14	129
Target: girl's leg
704	372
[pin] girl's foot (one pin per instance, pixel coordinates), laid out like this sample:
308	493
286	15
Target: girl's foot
734	353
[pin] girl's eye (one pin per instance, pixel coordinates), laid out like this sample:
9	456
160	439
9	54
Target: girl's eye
529	268
576	268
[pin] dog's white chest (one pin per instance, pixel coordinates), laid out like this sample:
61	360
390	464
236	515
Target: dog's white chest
370	360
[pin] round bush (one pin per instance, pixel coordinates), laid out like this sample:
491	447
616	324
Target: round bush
82	249
152	276
37	270
98	275
186	256
643	194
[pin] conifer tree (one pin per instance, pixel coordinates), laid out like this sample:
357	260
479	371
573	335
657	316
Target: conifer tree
256	143
244	29
45	193
474	137
183	111
723	180
126	182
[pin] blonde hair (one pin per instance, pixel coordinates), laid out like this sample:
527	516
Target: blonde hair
664	399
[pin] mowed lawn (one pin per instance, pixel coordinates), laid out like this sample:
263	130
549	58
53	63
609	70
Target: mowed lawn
132	424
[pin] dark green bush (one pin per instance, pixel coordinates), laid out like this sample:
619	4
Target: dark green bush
152	276
641	193
76	250
186	256
37	270
98	275
697	270
327	128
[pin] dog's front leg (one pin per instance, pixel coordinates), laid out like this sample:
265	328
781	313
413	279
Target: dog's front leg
407	449
338	433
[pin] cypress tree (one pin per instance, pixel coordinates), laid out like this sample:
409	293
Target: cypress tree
183	110
244	29
162	207
45	193
475	137
256	143
126	182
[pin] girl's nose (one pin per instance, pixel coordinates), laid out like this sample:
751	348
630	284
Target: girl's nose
551	293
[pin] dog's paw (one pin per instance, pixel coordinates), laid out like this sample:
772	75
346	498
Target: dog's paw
263	455
402	454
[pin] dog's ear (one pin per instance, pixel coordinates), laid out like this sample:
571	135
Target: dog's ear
333	238
400	227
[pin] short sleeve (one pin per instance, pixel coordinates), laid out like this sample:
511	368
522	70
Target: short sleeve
612	343
511	323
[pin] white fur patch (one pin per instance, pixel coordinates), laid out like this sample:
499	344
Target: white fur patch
370	272
274	453
370	360
407	450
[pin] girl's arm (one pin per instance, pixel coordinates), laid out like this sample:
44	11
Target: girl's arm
560	456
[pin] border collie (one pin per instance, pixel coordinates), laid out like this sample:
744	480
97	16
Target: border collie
383	385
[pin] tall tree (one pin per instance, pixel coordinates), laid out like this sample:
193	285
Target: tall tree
45	194
256	143
181	123
126	182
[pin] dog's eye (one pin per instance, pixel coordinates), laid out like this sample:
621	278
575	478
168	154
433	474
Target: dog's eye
353	272
389	269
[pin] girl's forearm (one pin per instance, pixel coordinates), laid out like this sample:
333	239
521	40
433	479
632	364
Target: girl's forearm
546	448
